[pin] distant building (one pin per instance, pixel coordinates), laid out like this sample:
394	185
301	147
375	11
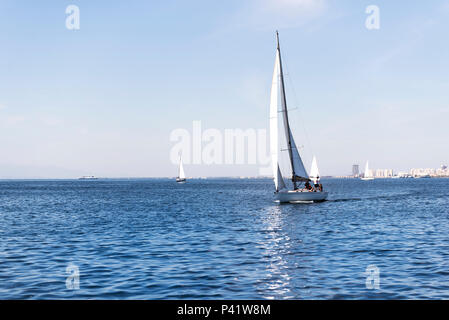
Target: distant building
403	174
419	172
383	173
355	170
443	171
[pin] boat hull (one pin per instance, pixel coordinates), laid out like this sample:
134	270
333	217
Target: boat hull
180	180
367	179
300	196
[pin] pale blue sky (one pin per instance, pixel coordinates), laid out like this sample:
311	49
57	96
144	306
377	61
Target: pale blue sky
103	100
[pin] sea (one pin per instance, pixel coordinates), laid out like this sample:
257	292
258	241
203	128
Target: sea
223	239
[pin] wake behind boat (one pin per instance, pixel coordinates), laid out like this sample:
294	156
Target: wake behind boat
306	193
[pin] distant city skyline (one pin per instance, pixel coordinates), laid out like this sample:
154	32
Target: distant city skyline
442	171
103	99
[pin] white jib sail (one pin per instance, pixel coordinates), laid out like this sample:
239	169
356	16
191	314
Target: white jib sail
300	170
181	174
274	143
367	171
314	173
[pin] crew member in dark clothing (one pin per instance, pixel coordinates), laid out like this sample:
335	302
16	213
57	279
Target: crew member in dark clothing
308	186
316	184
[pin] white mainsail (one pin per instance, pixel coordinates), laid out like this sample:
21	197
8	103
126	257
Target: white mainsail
314	173
281	184
181	174
274	143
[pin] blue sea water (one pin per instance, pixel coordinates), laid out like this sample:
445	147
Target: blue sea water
223	239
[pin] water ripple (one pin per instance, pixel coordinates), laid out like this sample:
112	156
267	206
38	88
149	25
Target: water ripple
222	239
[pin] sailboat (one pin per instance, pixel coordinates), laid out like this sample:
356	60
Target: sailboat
181	175
368	175
299	174
314	173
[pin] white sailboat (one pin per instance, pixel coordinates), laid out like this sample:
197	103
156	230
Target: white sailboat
298	172
88	178
181	175
367	175
314	172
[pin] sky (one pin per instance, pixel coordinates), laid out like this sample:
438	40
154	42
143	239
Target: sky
104	99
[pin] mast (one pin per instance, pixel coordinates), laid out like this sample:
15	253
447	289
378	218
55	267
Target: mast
284	106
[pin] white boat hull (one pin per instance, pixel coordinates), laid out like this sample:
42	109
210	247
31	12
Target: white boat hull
367	179
180	180
300	196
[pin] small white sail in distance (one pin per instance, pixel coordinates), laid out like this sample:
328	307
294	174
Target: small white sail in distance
314	173
181	174
368	173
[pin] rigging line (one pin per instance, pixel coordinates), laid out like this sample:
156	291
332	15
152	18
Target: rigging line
300	147
301	117
295	97
288	110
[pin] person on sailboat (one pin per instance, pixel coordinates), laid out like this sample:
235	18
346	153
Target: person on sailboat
316	183
308	186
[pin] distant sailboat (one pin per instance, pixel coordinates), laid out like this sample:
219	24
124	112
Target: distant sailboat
314	173
368	175
298	172
181	175
88	178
